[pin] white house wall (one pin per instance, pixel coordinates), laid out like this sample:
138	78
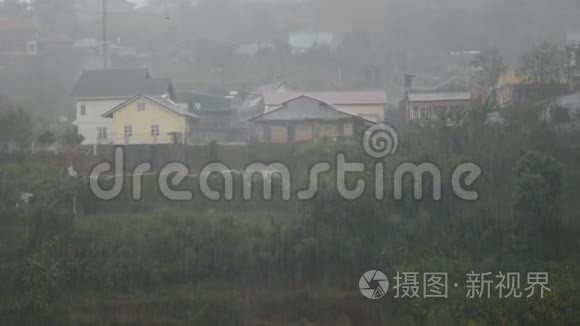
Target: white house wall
89	123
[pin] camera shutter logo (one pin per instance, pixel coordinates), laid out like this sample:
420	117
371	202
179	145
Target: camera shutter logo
374	278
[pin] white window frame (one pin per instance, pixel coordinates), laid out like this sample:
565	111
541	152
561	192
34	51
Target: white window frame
102	133
415	111
128	130
155	130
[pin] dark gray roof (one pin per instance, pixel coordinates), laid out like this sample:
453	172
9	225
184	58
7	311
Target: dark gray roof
304	108
119	83
155	87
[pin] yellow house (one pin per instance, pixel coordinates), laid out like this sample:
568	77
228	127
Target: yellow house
148	120
514	90
507	88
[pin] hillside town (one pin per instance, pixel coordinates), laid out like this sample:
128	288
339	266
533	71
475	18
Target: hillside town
94	82
290	162
124	106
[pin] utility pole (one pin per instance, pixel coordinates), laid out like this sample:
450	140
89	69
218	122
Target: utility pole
105	45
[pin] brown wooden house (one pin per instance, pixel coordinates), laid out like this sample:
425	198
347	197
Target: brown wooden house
304	119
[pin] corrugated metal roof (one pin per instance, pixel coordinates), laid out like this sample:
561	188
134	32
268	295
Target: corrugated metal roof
362	97
304	108
430	97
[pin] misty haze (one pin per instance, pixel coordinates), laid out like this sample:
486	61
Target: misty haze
289	162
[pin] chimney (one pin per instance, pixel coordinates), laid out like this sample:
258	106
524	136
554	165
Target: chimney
409	82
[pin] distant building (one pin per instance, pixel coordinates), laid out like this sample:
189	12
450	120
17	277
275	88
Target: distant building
272	88
573	38
18	36
219	118
564	111
510	89
98	91
513	91
436	106
455	84
573	51
148	120
304	119
251	49
569	101
448	102
368	104
301	42
254	103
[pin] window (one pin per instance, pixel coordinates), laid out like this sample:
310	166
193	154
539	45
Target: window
128	131
155	130
102	133
31	48
328	130
141	106
303	133
415	114
348	129
83	109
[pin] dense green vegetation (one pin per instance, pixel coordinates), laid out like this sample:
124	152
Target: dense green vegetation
298	263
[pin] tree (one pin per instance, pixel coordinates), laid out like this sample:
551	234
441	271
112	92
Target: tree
480	113
542	65
46	138
537	185
15	126
572	62
450	117
72	137
490	67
